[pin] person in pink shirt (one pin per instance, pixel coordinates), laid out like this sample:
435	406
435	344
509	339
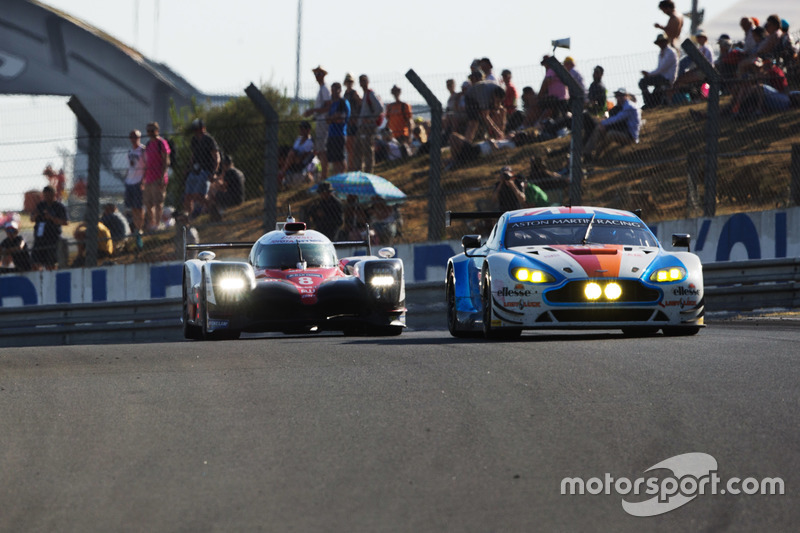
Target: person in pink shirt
553	95
156	156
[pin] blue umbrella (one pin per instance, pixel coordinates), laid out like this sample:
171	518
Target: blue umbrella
364	186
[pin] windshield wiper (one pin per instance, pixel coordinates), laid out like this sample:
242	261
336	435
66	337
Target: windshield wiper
588	229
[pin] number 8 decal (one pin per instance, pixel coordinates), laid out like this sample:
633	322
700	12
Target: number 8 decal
305	280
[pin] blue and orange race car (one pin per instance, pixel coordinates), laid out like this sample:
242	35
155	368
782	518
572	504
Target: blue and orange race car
572	267
292	282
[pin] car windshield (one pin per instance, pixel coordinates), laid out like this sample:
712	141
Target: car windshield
287	255
573	231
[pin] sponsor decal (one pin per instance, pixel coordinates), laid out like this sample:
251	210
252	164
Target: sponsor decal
682	303
685	291
304	274
506	292
522	304
218	324
575	222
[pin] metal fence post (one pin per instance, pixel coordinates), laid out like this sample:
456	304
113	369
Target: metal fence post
794	186
577	98
93	186
270	155
436	200
693	173
714	81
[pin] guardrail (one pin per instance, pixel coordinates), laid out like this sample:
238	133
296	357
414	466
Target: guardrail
729	286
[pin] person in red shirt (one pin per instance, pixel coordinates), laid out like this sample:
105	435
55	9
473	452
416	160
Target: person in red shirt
399	116
156	156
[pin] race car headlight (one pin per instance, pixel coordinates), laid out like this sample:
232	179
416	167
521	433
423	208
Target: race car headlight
593	291
532	275
231	284
382	281
667	275
612	291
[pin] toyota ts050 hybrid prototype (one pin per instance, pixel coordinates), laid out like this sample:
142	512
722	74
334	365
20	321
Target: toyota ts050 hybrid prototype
292	282
572	267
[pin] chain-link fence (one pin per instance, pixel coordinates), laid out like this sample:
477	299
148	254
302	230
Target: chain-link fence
460	154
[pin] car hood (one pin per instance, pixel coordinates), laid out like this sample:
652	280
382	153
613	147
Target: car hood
593	260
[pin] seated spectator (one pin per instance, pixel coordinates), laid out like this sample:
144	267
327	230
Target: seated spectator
384	220
192	236
691	78
662	77
325	214
228	189
728	60
621	127
515	116
419	140
105	244
530	107
597	103
116	224
462	150
509	191
355	220
300	163
748	25
14	249
548	179
387	148
481	99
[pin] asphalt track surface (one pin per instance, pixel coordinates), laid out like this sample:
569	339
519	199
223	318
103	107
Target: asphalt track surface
420	432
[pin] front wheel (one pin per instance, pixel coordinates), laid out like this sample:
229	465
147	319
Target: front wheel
190	331
490	332
452	313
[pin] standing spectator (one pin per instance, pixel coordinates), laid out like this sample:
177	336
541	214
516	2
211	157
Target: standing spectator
204	164
449	120
299	163
662	77
569	64
115	223
621	127
15	249
597	104
133	180
49	216
553	95
515	116
400	118
481	99
338	117
486	67
227	190
370	117
530	106
192	236
326	212
320	114
509	191
674	24
352	97
155	180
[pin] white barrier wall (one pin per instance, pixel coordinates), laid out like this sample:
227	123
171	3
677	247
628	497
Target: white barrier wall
759	235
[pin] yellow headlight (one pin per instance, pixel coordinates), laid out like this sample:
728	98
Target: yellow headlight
532	276
665	275
592	291
613	291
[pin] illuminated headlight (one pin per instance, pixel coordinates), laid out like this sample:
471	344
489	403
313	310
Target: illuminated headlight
532	276
612	291
382	281
592	291
231	284
666	275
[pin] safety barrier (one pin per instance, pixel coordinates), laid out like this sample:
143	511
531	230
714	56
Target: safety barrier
729	286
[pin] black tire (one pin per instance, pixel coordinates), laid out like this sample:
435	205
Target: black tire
452	314
190	331
639	332
489	332
680	331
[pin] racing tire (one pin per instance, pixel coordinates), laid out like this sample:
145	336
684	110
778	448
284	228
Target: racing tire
190	331
452	314
680	331
489	332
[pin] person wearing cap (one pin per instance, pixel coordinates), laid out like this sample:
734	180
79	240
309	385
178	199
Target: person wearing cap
400	119
326	212
298	165
621	127
569	64
662	77
320	113
672	29
689	75
509	190
14	249
597	103
370	117
352	97
49	216
133	180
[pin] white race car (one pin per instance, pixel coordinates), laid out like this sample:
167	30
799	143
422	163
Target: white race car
572	267
292	281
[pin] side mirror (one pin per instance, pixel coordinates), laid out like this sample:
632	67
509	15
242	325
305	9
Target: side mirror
681	240
206	256
387	252
470	241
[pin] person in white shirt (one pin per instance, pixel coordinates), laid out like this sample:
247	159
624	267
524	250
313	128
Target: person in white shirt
664	75
320	114
133	180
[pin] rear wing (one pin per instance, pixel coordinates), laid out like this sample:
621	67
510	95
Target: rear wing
461	215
